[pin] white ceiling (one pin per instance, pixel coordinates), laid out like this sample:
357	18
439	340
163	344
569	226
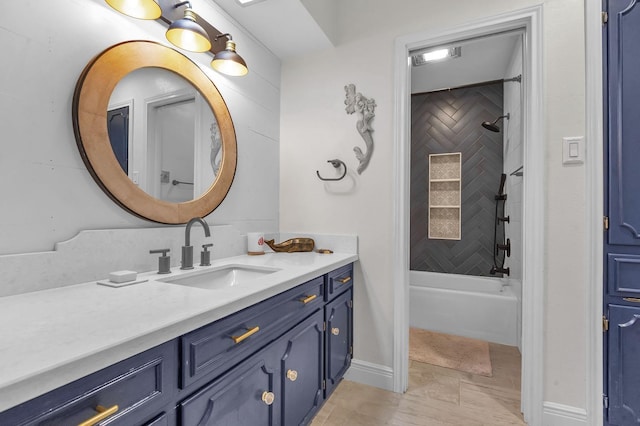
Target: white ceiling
291	28
286	27
482	59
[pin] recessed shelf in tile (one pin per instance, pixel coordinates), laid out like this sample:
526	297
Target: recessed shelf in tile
444	196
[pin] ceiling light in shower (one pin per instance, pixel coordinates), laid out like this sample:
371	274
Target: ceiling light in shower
247	2
435	55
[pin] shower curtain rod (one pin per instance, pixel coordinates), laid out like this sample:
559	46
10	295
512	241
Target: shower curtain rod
517	78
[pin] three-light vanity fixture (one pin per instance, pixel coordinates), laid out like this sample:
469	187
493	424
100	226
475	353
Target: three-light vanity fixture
188	31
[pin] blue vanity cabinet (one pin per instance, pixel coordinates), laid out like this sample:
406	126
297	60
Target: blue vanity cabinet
215	348
273	364
136	390
279	385
339	338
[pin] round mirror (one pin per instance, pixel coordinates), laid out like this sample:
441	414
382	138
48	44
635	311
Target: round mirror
154	132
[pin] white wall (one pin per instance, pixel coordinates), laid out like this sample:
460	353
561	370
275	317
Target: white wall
315	128
513	160
48	195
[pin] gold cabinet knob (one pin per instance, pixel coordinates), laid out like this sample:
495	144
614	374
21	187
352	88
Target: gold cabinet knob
335	331
292	375
268	397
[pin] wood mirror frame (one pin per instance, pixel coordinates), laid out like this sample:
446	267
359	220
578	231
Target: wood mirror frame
90	104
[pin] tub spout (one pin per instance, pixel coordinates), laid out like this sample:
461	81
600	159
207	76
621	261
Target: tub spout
495	270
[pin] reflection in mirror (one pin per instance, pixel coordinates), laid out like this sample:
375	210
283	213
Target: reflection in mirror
91	102
164	134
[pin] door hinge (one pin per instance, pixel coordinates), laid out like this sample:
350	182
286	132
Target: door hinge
605	324
324	326
605	17
351	350
606	223
351	304
605	401
324	384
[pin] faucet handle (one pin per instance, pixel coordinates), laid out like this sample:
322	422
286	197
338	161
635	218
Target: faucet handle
205	256
163	251
164	261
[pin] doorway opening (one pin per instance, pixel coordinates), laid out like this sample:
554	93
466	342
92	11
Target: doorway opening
466	190
527	24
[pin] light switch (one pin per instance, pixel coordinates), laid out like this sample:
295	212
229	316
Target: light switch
573	150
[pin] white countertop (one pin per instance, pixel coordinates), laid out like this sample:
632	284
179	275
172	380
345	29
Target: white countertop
52	337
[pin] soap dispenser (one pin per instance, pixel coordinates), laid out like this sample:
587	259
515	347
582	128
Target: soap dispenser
205	256
164	261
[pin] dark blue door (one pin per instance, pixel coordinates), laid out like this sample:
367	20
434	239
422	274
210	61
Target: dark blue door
624	358
118	129
622	243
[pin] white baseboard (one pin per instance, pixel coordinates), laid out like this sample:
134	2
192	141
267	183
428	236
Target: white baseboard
563	415
370	374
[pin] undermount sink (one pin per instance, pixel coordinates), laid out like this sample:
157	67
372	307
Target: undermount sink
222	277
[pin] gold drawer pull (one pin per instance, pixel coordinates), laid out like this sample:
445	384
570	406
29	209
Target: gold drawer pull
345	280
103	413
250	331
268	397
308	298
292	375
631	299
335	331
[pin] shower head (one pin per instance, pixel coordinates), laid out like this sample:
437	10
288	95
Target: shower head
492	125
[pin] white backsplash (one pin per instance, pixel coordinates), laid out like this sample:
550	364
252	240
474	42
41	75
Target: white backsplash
93	254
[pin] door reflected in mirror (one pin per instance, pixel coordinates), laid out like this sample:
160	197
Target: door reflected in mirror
164	134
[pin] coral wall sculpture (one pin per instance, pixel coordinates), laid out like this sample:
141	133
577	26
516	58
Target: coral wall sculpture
355	102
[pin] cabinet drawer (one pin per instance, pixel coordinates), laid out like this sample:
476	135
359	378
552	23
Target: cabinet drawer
214	348
339	280
139	386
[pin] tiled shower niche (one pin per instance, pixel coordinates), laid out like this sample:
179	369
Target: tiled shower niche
444	196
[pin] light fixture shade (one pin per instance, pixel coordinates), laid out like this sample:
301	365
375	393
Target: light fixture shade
228	62
140	9
187	34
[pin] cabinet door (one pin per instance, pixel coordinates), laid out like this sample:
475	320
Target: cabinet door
622	243
302	372
243	396
339	338
624	375
623	32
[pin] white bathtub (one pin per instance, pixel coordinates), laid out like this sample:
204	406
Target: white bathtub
477	307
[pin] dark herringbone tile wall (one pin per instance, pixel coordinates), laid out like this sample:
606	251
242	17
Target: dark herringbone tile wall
449	121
